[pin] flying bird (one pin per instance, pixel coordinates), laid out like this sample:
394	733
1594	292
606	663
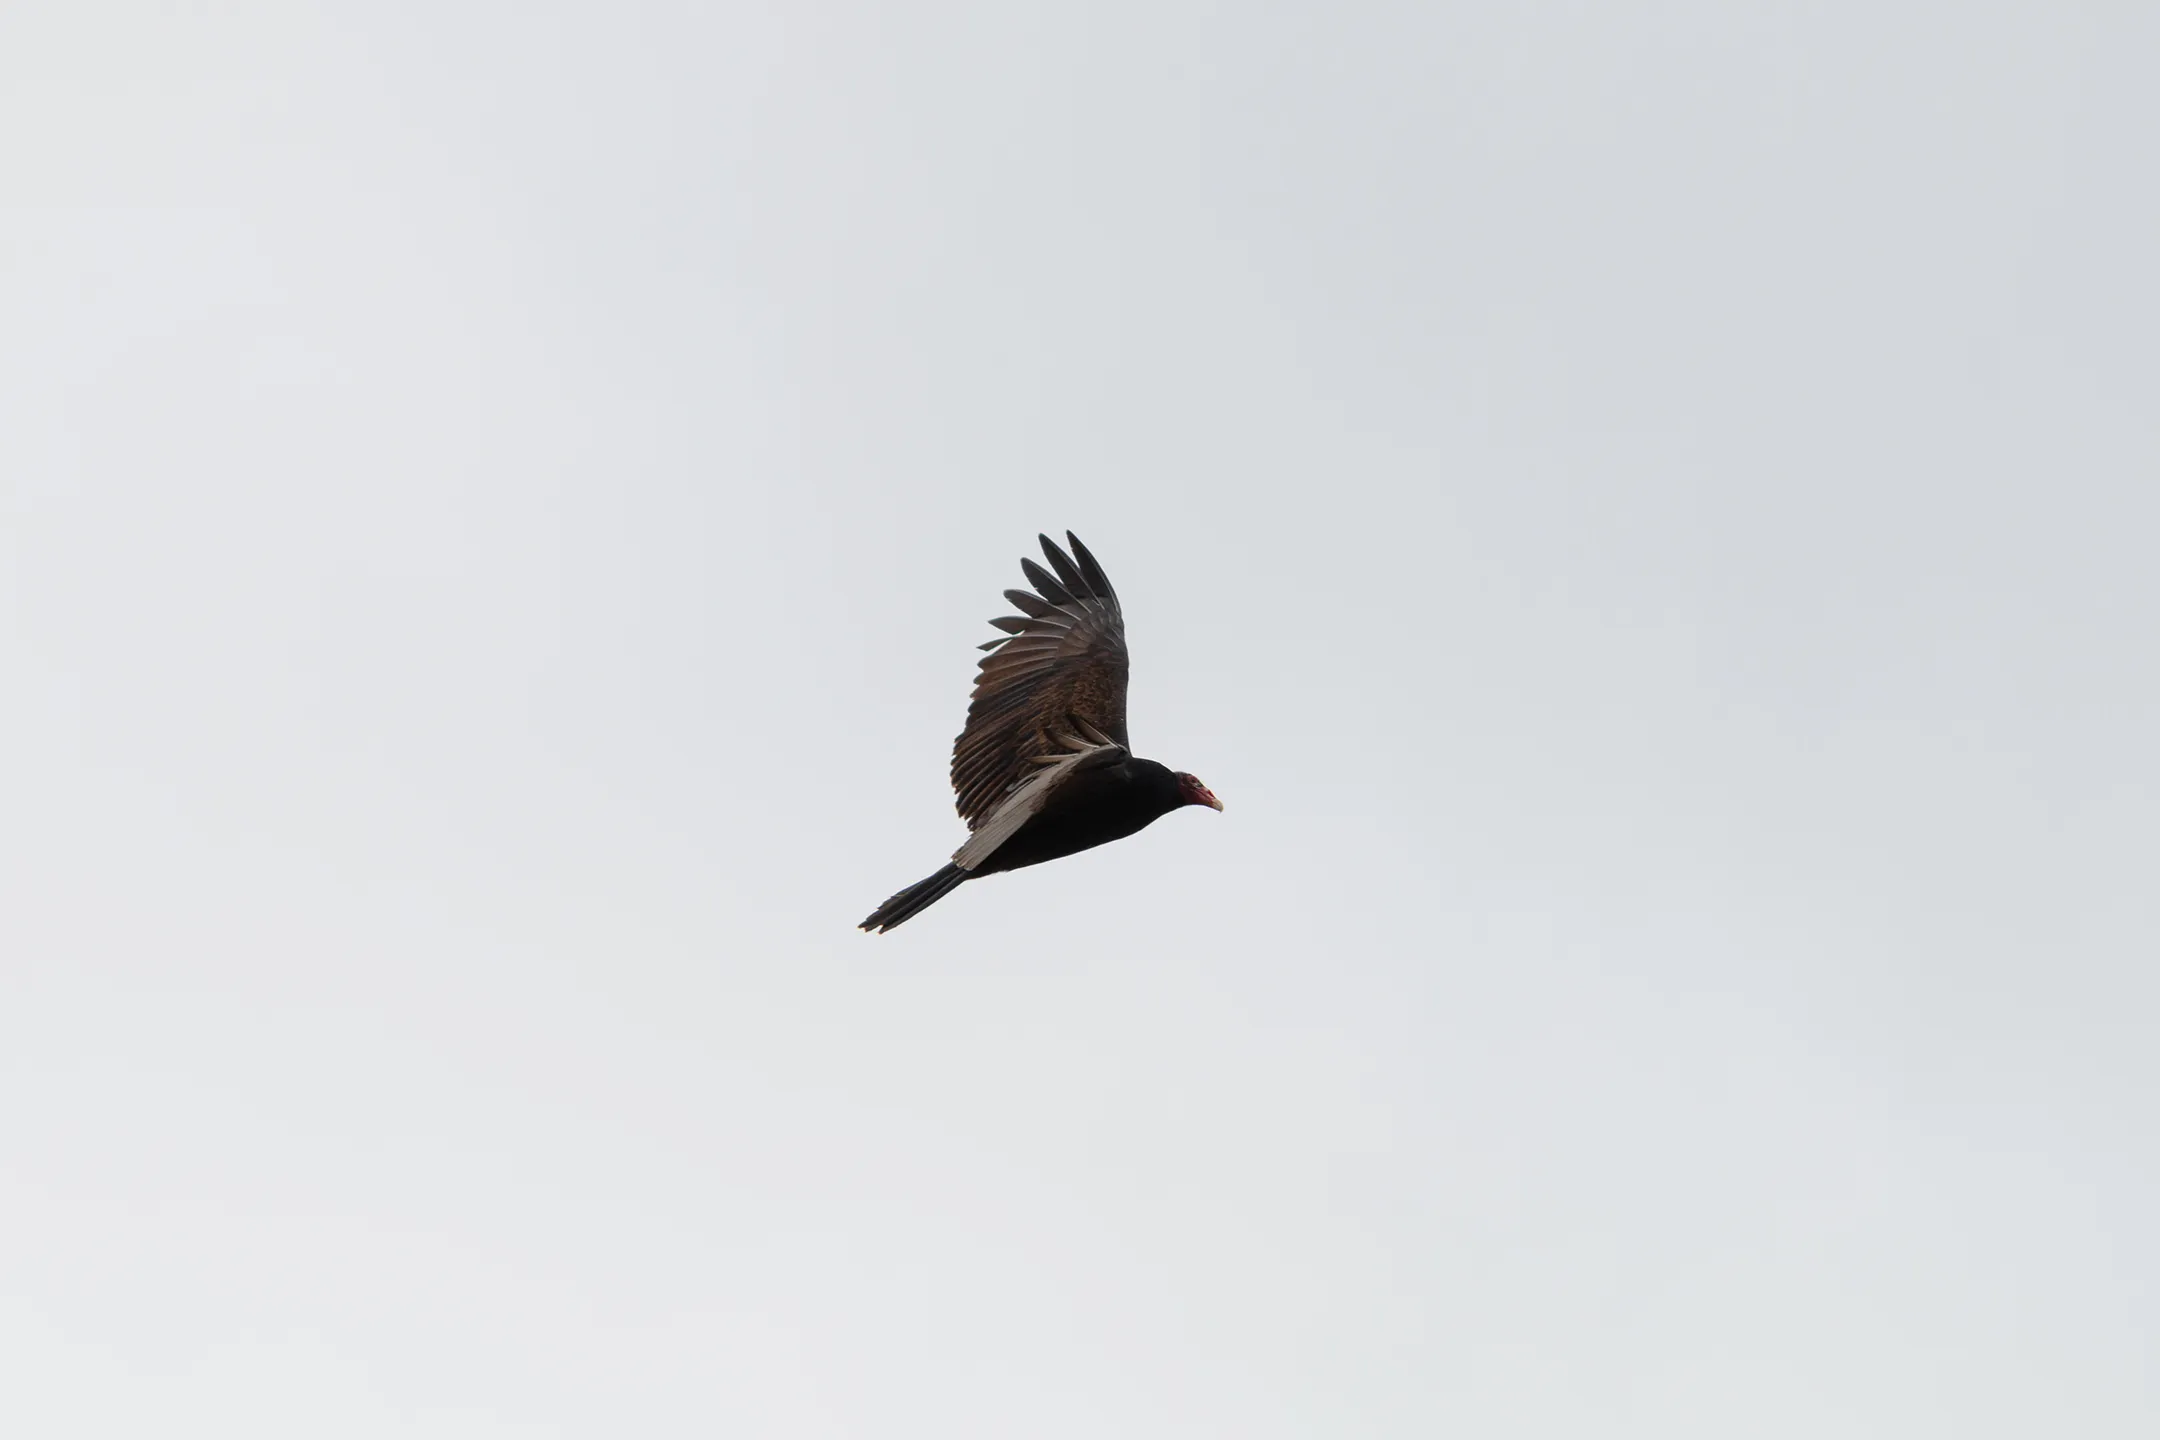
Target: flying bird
1043	767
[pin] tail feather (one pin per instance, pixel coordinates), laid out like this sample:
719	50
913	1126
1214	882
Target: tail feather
916	898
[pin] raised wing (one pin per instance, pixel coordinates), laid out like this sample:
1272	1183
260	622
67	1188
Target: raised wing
1059	672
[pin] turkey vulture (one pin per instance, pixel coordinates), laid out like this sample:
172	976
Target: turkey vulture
1043	768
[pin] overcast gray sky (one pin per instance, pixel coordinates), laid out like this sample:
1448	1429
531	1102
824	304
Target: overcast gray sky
1643	513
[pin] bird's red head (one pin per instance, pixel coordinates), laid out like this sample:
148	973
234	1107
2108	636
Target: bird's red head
1192	792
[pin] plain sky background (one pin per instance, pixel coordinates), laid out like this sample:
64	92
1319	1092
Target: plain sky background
1644	513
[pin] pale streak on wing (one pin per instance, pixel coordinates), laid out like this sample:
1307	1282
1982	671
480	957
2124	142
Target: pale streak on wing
1021	806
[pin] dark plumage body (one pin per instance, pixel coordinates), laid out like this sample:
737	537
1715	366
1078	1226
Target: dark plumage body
1098	806
1043	769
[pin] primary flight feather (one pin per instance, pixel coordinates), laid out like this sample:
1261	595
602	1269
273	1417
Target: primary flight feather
1043	767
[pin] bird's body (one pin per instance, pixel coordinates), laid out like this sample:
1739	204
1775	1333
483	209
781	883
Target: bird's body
1043	769
1094	808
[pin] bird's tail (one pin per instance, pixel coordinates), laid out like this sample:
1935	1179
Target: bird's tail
916	898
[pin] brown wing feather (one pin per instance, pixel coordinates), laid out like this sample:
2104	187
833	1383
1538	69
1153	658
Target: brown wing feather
1062	662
